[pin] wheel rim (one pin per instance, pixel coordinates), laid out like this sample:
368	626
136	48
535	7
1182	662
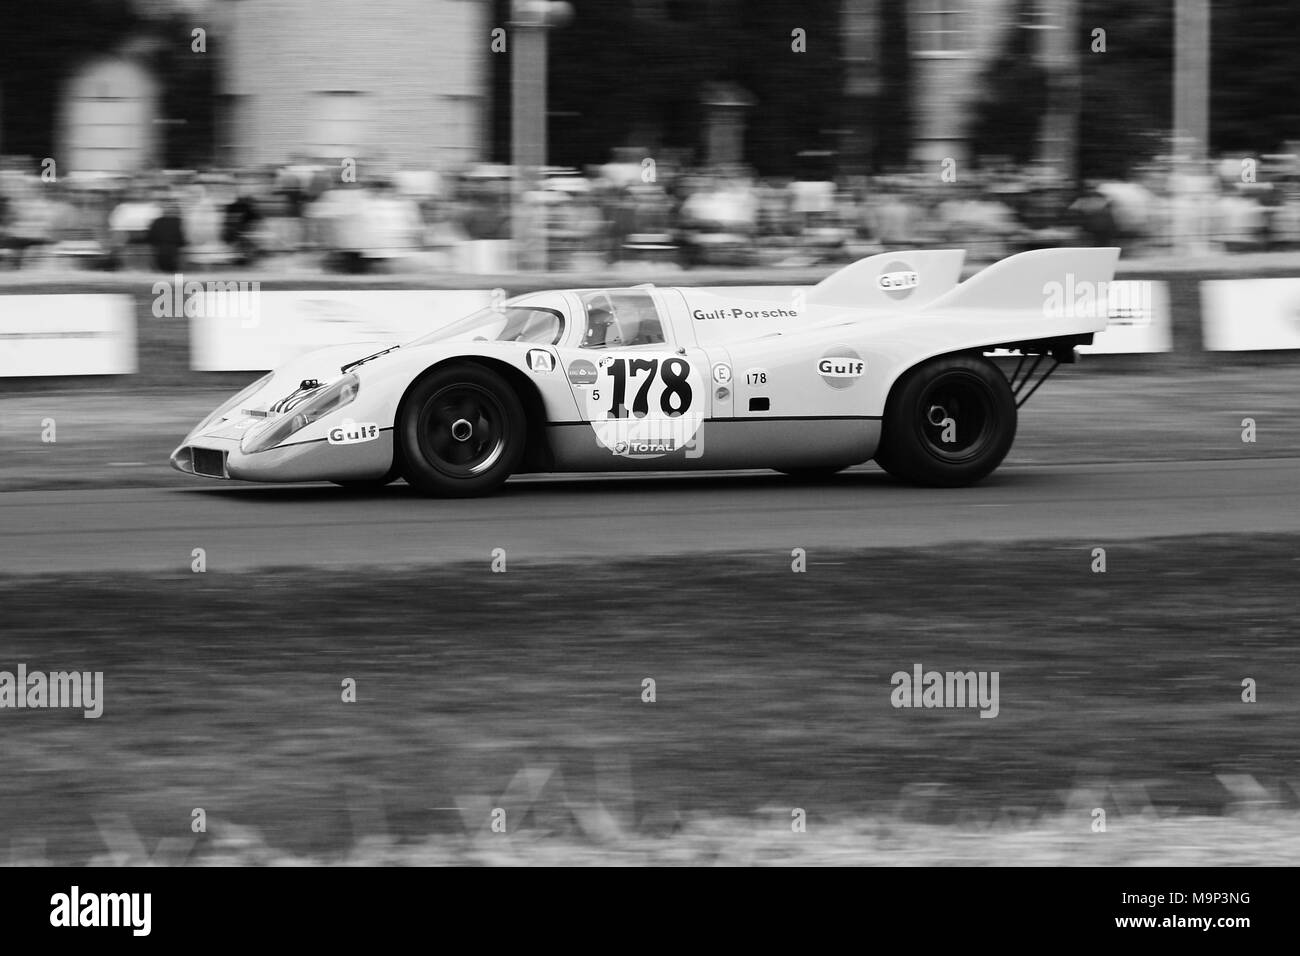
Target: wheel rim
462	430
959	407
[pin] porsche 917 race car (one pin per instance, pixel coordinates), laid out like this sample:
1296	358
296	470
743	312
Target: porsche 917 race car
885	359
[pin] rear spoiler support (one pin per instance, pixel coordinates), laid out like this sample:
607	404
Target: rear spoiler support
1018	384
1058	351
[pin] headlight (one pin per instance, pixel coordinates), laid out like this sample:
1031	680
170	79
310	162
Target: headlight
232	403
329	399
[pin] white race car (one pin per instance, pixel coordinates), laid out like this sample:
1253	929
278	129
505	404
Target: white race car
884	359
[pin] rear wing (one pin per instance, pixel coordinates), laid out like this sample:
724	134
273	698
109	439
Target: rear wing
1054	283
1040	303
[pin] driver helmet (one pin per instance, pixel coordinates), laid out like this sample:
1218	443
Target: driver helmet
602	328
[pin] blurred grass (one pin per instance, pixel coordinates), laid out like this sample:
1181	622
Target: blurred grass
523	690
1258	839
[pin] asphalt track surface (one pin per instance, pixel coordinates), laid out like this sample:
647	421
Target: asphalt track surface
536	519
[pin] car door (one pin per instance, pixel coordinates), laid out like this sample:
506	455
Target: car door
642	395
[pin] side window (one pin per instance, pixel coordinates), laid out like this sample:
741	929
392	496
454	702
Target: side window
620	319
540	326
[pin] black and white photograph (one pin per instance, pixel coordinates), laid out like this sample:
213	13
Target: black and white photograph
650	433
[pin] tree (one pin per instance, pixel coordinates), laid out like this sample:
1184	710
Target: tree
627	74
41	46
1009	111
1254	75
1127	91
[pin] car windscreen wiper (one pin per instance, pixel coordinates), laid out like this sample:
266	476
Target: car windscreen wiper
362	361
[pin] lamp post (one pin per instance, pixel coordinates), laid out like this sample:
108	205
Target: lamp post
529	21
1191	120
1058	42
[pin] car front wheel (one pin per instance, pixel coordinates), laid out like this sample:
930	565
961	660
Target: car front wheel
462	431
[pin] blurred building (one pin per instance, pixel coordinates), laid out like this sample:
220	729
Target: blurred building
407	83
951	43
880	83
395	81
950	47
108	116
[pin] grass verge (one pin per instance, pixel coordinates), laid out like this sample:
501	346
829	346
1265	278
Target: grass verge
1120	691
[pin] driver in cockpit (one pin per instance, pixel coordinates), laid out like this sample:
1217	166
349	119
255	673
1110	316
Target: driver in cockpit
602	327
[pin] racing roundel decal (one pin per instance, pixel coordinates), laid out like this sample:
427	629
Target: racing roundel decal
646	405
841	367
722	373
897	280
582	372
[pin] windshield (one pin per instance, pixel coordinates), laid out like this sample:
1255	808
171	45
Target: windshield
496	323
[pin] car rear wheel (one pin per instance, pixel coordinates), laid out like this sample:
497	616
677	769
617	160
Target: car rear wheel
461	431
947	423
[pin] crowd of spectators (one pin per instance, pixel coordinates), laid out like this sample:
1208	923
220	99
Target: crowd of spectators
316	216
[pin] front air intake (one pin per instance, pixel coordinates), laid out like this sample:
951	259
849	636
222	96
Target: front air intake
209	462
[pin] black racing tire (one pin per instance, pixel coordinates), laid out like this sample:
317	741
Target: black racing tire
947	423
812	474
461	432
